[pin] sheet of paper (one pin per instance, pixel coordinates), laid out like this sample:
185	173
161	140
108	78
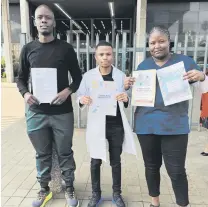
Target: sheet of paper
44	84
173	88
129	145
95	136
104	99
144	88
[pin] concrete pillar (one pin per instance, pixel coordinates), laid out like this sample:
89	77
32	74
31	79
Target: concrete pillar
141	28
7	41
25	22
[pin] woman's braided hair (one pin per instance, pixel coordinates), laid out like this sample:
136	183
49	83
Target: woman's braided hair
164	31
161	29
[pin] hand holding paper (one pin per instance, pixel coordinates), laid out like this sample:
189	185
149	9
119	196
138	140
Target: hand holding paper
194	75
128	82
61	97
86	100
123	97
30	99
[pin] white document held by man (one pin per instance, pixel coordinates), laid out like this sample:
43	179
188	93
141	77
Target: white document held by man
144	88
104	99
44	84
173	88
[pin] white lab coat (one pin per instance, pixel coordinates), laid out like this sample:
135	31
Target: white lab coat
96	123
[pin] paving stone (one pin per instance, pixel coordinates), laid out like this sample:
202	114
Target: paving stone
32	194
19	184
198	200
135	204
26	202
132	189
192	205
163	198
58	202
4	199
14	201
8	192
21	193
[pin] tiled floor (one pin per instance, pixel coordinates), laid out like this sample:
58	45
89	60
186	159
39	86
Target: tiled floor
19	186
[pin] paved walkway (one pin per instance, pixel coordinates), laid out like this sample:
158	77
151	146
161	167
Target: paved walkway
12	105
19	186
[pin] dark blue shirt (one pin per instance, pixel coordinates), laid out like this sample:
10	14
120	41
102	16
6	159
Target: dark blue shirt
161	119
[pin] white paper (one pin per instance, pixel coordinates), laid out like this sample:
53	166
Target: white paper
104	99
129	142
96	136
44	84
144	88
173	88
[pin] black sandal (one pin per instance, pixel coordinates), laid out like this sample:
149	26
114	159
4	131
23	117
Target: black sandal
204	154
151	205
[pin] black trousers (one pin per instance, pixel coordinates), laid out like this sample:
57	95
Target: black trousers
173	149
115	137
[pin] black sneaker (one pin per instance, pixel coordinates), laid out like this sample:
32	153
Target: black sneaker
118	200
71	198
204	154
95	200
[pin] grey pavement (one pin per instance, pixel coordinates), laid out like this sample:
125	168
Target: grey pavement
19	186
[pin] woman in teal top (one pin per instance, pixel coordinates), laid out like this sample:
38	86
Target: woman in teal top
163	130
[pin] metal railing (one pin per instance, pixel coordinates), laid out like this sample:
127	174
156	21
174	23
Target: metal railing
125	59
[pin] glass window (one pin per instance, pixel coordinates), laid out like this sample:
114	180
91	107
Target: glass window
150	25
203	27
203	16
150	16
190	27
190	17
15	23
179	6
173	28
194	6
203	6
174	16
161	17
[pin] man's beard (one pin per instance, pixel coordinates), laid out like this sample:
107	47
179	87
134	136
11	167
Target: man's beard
46	33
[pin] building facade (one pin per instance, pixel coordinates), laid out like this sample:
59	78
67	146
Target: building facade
181	17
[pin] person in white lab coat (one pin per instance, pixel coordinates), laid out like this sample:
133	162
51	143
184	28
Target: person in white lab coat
100	127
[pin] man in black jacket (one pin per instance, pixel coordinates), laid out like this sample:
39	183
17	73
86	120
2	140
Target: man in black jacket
48	122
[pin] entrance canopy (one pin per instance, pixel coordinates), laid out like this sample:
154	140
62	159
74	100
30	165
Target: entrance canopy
91	16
